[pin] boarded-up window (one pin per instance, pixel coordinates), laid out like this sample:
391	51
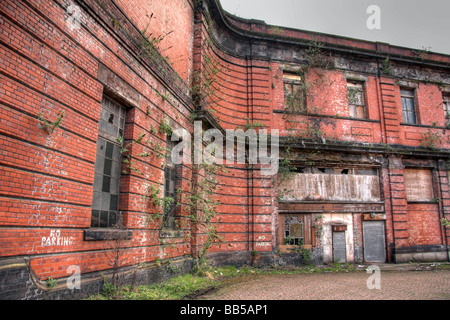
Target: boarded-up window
294	93
332	184
356	101
446	104
418	184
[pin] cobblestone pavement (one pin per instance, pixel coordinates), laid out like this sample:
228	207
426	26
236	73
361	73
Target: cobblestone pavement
395	285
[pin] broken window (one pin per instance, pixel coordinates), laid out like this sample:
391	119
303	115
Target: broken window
322	170
105	203
418	184
332	184
293	231
446	104
356	101
170	174
294	93
408	106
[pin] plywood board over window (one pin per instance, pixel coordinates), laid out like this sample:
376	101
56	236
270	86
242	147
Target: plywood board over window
446	105
418	184
294	93
356	100
332	184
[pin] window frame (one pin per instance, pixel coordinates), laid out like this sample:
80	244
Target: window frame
411	178
363	105
112	112
446	105
295	81
290	220
170	176
405	97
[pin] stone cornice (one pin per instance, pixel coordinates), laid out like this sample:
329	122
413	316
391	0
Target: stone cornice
253	38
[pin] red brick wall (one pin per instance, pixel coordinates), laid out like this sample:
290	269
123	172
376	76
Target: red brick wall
171	19
423	224
47	179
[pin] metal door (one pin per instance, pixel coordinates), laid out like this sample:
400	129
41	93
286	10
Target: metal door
339	252
374	241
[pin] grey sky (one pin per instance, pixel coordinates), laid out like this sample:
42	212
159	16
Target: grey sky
407	23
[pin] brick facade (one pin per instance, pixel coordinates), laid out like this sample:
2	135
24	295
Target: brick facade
228	73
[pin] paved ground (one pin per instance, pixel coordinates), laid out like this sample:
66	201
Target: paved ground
396	284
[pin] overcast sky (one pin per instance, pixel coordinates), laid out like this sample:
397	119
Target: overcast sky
408	23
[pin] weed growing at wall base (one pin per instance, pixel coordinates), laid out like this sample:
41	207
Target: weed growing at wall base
192	285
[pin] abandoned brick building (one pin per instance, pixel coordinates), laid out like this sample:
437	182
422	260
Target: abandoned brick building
91	92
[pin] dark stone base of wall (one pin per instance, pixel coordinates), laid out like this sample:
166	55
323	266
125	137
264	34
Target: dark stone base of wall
237	259
436	253
269	258
18	283
315	257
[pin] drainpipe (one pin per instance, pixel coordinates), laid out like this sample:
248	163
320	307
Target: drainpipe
380	104
250	191
384	140
249	95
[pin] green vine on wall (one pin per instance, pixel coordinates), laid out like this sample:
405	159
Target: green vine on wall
387	67
205	78
150	42
48	125
316	57
161	203
165	127
445	222
303	100
126	155
286	169
203	207
431	139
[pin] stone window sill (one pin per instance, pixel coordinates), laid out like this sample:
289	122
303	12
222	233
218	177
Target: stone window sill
103	234
165	234
422	202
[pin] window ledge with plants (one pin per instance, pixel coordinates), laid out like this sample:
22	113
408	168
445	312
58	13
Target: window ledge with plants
325	116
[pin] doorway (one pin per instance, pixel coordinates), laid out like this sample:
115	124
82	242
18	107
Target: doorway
374	241
339	251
